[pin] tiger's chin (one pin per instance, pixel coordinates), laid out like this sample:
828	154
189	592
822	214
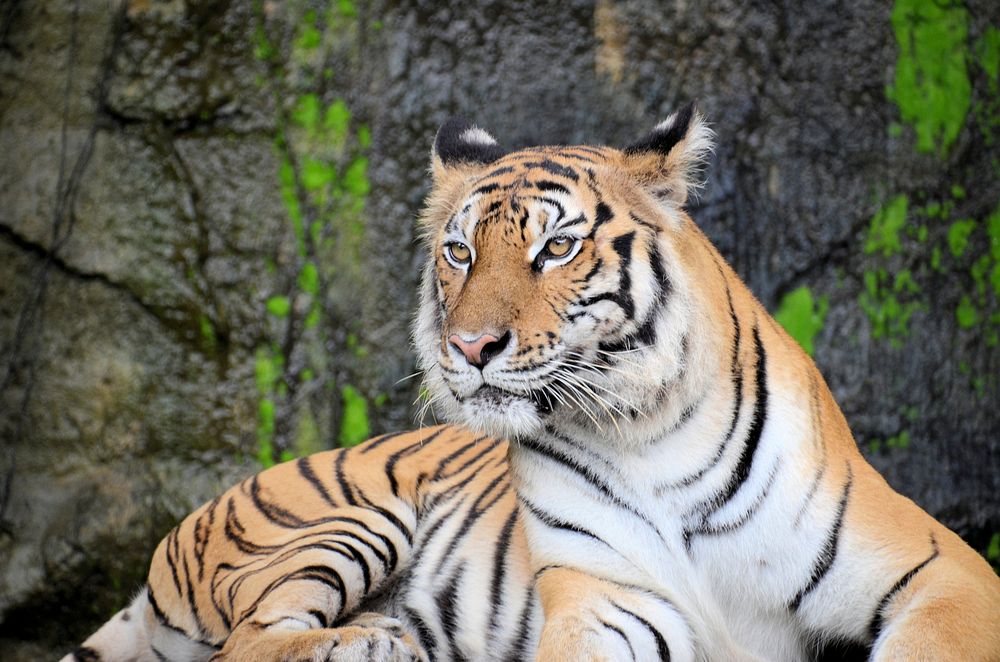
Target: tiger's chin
500	413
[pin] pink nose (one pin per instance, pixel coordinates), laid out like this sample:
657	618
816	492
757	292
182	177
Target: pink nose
473	349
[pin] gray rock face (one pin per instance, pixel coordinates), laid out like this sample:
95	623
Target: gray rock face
199	269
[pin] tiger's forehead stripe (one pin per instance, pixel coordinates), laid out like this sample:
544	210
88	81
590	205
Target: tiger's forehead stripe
535	190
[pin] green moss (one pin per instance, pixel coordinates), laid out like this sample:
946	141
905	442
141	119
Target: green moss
309	35
336	122
354	426
802	316
356	178
885	226
316	174
979	270
887	305
958	236
265	432
279	306
966	313
309	278
993	551
988	55
931	85
306	113
268	367
308	439
290	196
323	183
899	441
207	329
364	136
993	236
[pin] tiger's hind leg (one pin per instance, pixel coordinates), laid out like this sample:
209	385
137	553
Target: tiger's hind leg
367	637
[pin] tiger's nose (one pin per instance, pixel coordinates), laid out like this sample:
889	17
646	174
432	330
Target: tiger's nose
482	350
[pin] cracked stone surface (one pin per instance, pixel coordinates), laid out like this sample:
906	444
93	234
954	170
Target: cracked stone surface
119	416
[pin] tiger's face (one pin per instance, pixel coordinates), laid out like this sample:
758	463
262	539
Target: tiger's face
547	272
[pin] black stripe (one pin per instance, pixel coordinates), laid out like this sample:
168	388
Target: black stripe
742	520
486	188
392	460
548	185
86	654
645	335
202	533
170	551
813	489
273	512
192	602
643	223
447	603
736	372
554	522
661	644
875	628
745	463
578	220
742	471
351	554
481	505
623	296
602	214
312	573
503	170
234	530
389	515
828	553
486	450
427	640
623	246
550	166
519	651
500	558
620	633
371	445
656	264
304	465
162	619
587	474
345	487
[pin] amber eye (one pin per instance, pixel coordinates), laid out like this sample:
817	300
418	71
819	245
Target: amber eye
458	252
559	246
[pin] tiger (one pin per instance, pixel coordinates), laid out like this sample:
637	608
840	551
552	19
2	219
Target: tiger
640	463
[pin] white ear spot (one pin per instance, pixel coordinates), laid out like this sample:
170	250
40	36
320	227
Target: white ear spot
668	123
477	136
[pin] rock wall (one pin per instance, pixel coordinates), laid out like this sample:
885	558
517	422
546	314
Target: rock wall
208	257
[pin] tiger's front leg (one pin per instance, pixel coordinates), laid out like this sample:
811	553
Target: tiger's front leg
592	619
368	637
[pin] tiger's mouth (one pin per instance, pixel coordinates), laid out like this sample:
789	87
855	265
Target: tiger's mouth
497	396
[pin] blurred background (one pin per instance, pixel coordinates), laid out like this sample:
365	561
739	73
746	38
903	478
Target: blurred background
208	259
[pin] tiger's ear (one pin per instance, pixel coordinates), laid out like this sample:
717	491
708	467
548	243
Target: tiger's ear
461	146
668	160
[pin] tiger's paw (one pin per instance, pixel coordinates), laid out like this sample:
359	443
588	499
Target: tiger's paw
372	637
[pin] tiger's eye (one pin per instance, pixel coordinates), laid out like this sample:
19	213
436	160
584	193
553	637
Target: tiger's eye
459	252
559	246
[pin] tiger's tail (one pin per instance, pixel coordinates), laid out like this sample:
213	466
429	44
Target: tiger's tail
135	634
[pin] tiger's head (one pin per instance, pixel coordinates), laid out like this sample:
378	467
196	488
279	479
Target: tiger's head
553	277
